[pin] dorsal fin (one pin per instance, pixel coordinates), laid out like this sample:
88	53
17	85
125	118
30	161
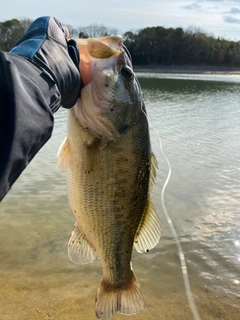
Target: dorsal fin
153	170
149	230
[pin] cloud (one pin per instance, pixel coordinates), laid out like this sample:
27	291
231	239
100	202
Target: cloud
234	11
216	0
230	19
192	6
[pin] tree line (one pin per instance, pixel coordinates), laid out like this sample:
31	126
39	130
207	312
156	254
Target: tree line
11	31
168	46
149	46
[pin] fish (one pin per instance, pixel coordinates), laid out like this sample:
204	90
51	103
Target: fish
110	171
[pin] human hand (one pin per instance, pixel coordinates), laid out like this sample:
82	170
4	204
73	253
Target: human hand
46	44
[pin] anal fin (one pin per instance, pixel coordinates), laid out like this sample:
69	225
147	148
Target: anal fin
80	251
149	230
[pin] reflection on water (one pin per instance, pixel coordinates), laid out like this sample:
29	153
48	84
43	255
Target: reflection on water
198	119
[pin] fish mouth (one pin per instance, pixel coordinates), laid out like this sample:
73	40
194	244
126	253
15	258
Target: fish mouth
106	53
110	85
98	54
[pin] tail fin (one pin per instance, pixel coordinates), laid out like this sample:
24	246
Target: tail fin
127	299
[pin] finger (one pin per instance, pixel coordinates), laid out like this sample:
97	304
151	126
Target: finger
67	33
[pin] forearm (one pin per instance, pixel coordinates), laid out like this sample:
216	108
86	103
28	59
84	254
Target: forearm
28	99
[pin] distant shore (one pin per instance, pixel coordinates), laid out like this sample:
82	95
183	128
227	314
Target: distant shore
187	69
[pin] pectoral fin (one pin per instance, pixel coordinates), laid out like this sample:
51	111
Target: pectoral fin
80	251
149	230
92	158
63	156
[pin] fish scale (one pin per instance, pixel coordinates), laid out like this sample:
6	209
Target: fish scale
88	199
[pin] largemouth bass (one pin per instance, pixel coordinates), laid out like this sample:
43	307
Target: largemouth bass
110	169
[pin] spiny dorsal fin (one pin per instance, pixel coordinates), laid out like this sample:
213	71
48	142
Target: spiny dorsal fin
80	251
153	171
149	230
126	298
63	156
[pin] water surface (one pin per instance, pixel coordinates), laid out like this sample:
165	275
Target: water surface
198	120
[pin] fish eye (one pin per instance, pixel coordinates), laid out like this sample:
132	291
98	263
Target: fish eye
127	73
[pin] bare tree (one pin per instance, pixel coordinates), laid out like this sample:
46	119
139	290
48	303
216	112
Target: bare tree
96	31
74	33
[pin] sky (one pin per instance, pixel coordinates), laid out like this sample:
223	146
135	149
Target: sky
220	18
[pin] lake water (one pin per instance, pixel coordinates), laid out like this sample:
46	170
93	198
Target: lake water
198	120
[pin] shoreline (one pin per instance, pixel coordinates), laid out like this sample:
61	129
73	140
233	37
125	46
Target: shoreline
187	69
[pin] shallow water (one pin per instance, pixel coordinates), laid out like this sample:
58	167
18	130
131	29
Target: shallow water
198	119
